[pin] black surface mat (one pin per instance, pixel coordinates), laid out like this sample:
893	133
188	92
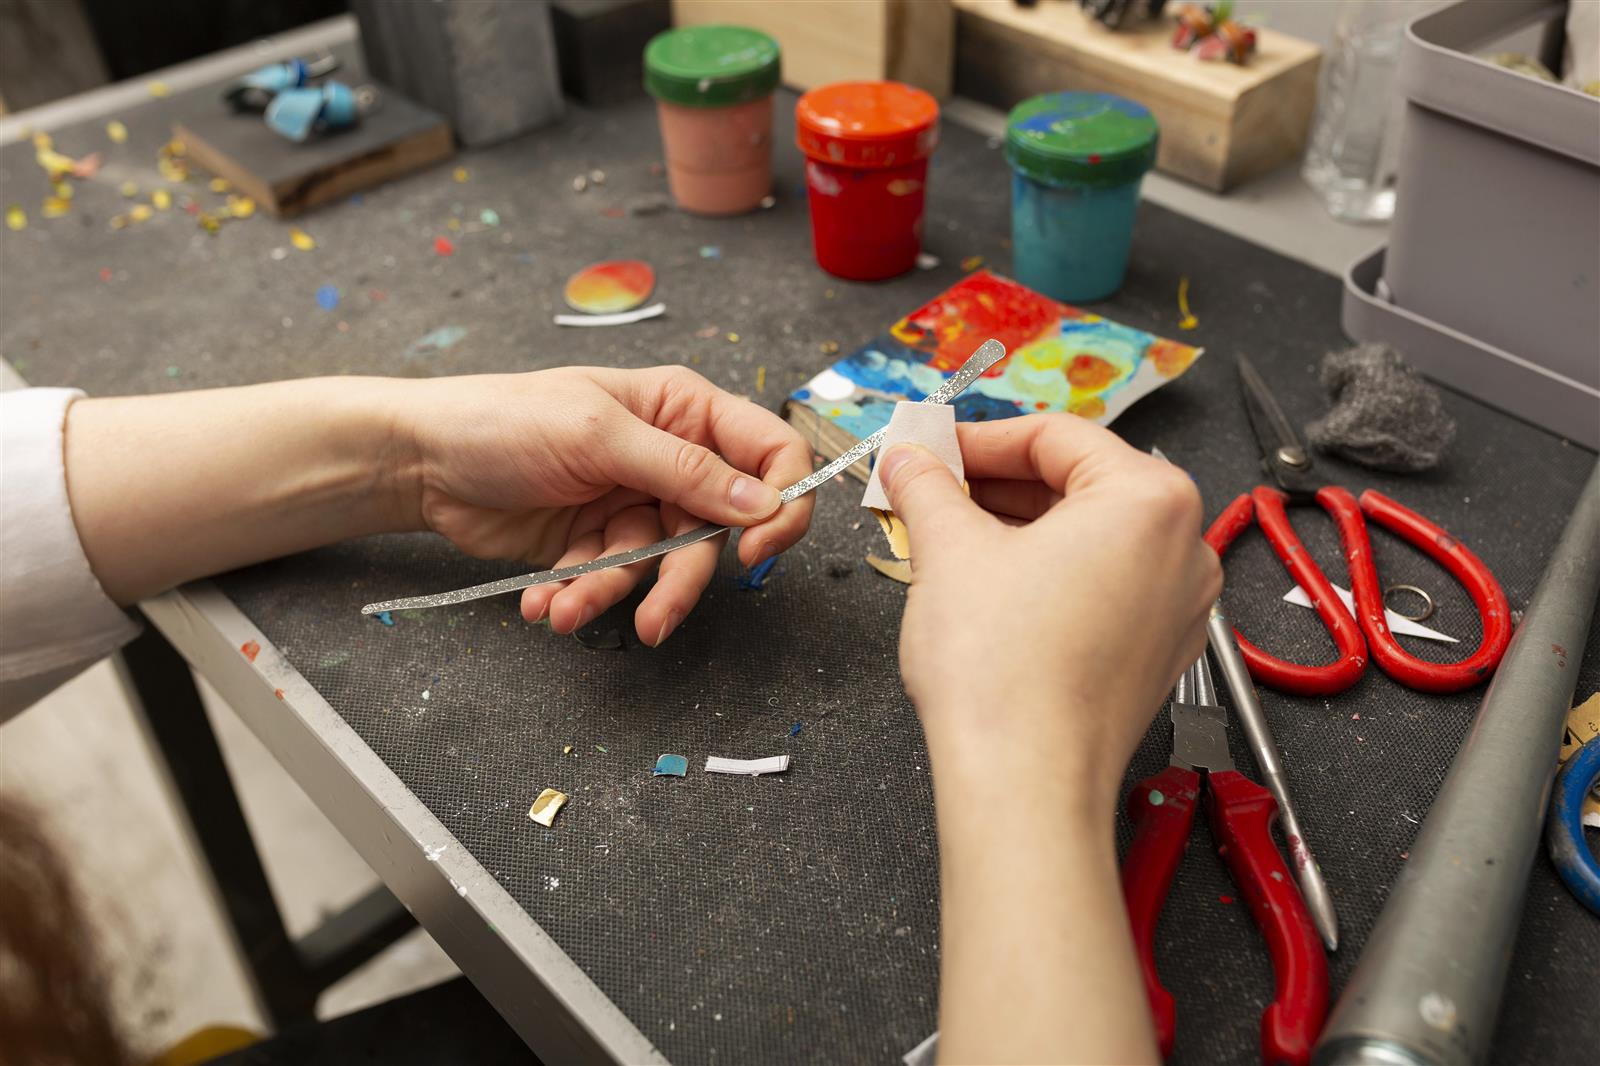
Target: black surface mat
792	917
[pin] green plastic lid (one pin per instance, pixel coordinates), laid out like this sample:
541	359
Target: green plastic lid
1081	139
710	66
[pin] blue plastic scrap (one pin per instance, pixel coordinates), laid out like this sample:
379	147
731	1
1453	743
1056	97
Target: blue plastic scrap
671	766
757	576
794	730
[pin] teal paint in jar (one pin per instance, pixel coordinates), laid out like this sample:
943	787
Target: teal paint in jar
1076	163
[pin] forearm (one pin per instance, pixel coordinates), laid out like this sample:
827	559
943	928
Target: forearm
1038	961
165	489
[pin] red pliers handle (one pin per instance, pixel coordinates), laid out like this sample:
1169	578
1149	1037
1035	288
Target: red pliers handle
1267	507
1241	814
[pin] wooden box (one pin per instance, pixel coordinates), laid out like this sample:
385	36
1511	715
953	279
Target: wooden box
845	40
1220	123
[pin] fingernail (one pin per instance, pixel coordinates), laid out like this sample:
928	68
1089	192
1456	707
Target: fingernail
673	618
893	460
585	618
753	497
767	551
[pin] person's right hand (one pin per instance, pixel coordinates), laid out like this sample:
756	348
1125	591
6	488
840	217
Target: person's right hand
1051	612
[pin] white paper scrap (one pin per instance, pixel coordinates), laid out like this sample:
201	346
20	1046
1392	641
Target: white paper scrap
621	318
924	1054
932	425
1405	626
774	764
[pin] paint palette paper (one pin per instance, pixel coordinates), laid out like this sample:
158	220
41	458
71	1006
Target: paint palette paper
1061	359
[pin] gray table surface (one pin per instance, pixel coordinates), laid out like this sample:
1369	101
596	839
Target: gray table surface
784	918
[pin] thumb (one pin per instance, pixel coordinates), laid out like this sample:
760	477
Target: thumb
923	492
694	477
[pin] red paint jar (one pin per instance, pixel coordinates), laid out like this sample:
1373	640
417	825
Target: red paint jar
867	145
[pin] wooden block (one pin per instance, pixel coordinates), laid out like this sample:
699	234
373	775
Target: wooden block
600	44
845	40
286	178
1220	123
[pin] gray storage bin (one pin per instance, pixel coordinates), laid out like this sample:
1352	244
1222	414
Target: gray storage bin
1493	265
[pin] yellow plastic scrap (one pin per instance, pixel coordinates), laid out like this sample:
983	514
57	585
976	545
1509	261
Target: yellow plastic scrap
55	207
172	170
140	213
175	147
117	132
208	222
158	89
302	240
162	200
547	806
241	206
62	190
461	174
16	218
129	189
219	185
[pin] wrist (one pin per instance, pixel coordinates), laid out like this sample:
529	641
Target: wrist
385	418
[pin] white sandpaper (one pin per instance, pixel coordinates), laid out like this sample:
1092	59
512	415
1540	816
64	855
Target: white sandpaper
932	425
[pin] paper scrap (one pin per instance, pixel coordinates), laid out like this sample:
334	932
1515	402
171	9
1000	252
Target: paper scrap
775	764
547	806
932	425
924	1054
620	319
1397	623
670	766
1583	725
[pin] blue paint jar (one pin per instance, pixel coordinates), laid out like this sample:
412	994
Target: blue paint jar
1077	160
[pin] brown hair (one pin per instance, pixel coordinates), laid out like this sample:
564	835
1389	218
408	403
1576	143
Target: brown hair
54	1006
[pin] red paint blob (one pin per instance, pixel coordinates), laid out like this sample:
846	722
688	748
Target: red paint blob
1225	899
250	649
105	273
1094	157
442	246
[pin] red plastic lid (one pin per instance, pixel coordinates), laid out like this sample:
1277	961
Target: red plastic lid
867	123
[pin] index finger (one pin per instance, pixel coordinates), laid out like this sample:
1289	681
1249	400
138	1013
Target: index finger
1064	451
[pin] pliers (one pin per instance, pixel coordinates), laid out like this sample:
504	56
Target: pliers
1241	814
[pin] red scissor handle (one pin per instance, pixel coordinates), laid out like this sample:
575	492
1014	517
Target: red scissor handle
1162	810
1266	507
1494	611
1242	813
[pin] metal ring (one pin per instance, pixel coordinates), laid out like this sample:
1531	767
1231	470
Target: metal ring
1427	599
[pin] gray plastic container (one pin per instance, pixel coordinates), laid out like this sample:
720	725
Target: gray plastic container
1493	265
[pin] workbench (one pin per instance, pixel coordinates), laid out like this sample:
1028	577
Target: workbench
784	918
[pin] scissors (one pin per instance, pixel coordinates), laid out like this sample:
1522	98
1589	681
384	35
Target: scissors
1288	464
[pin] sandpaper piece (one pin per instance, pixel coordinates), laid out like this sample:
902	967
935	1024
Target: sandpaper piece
931	425
670	766
1398	624
620	319
774	764
895	569
547	806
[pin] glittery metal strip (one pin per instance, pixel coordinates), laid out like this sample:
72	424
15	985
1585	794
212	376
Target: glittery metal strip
987	355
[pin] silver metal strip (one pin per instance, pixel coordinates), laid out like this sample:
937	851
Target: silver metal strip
988	354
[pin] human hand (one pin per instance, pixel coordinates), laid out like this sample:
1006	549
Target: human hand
1051	612
559	467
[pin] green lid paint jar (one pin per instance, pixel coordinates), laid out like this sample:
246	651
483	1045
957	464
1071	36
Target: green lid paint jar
1077	160
713	88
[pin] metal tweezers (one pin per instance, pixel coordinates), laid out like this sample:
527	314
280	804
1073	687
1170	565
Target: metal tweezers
987	355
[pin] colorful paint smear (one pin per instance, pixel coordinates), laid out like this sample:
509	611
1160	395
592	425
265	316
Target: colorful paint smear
615	285
1061	359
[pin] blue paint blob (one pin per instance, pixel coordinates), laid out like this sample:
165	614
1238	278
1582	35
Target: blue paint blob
328	297
387	619
794	730
670	766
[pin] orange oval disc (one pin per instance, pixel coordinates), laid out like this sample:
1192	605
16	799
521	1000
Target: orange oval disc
615	285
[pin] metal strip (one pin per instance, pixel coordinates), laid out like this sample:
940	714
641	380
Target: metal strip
988	354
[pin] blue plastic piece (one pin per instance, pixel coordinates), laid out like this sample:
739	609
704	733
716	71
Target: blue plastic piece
670	766
758	575
1071	242
276	77
1574	859
298	113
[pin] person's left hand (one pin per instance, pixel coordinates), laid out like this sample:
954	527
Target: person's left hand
559	467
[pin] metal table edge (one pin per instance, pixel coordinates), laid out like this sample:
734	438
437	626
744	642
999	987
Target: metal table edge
550	1002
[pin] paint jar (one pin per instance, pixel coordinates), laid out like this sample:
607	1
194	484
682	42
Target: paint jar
867	145
1077	160
713	88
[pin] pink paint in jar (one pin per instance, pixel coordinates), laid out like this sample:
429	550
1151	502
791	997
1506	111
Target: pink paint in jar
867	146
713	88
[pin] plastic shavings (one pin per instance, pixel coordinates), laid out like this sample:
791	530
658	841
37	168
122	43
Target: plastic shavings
461	175
773	764
162	199
489	217
220	185
278	254
830	347
62	190
174	371
794	730
597	176
327	297
601	748
141	212
670	766
129	189
443	246
707	333
453	225
613	212
55	207
710	251
437	341
927	260
971	263
158	89
117	132
301	239
1188	321
580	183
241	206
894	569
620	319
756	580
761	379
733	338
208	222
567	750
105	274
547	806
768	202
385	617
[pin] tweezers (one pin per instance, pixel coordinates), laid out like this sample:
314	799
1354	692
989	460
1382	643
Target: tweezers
988	354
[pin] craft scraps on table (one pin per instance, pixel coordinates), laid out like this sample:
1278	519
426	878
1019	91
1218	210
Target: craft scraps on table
328	297
1398	623
437	341
620	319
774	764
547	806
895	569
670	766
756	579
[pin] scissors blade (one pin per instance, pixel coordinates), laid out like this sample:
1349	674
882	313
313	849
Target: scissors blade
1199	725
1272	427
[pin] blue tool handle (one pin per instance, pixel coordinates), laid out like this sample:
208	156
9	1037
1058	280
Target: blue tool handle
1575	862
